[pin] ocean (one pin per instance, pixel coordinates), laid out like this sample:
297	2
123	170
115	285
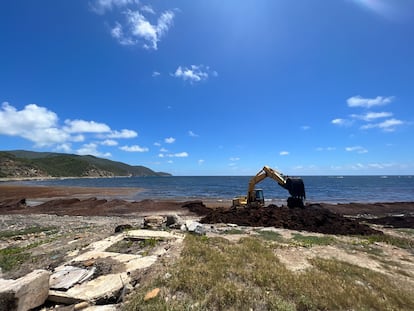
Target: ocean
332	189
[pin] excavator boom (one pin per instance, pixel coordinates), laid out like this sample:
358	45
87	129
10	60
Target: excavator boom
295	186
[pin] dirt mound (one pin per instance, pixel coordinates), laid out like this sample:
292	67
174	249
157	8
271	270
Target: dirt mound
313	218
197	207
393	221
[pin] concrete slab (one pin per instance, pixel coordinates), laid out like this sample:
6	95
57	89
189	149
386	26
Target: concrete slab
67	276
101	288
148	234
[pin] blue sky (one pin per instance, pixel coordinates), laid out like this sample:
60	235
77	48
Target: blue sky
212	87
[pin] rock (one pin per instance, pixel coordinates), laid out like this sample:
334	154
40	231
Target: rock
68	276
154	222
25	293
174	221
195	227
152	294
122	228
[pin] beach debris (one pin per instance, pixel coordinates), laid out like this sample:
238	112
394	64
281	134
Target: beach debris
25	293
122	228
152	294
193	227
314	219
154	222
65	277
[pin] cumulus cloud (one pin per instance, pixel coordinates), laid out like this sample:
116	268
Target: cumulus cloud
284	153
234	159
92	149
123	134
41	126
169	140
134	148
109	142
357	149
200	161
192	134
341	122
138	29
81	126
370	116
387	125
194	73
173	155
156	74
359	101
101	6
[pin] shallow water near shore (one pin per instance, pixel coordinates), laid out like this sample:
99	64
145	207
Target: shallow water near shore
332	189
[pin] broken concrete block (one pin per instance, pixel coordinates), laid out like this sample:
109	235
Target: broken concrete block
195	227
68	276
154	222
25	293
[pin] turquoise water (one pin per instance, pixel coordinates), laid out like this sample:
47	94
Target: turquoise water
337	189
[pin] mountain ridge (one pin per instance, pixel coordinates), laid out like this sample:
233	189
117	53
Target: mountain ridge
32	164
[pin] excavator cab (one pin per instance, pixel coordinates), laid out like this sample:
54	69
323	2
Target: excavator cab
256	198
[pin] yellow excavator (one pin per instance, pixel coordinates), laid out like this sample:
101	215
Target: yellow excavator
255	197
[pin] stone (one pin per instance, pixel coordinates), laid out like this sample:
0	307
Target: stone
195	227
68	276
122	228
152	294
154	222
25	293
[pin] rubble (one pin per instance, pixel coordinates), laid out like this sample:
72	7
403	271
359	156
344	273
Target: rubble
25	293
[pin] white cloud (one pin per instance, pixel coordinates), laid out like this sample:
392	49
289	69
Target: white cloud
134	148
67	148
192	134
305	127
81	126
41	126
139	29
369	116
101	6
284	153
109	142
163	150
173	155
180	155
359	101
37	124
387	125
92	149
357	149
169	140
194	73
156	73
157	144
234	159
342	122
325	149
200	161
123	134
148	9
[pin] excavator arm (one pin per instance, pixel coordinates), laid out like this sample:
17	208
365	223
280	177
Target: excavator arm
295	186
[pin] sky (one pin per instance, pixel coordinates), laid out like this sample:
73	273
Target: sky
213	87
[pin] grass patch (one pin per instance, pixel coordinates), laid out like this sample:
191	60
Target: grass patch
311	240
234	231
215	274
270	235
30	230
12	257
400	242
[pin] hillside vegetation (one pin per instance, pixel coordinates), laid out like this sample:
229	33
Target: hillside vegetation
29	164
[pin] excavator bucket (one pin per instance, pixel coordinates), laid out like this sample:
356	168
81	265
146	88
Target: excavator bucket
296	187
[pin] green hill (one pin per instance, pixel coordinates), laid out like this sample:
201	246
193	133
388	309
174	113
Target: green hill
22	164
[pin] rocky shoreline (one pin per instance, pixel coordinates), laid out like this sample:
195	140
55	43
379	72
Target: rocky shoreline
49	225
